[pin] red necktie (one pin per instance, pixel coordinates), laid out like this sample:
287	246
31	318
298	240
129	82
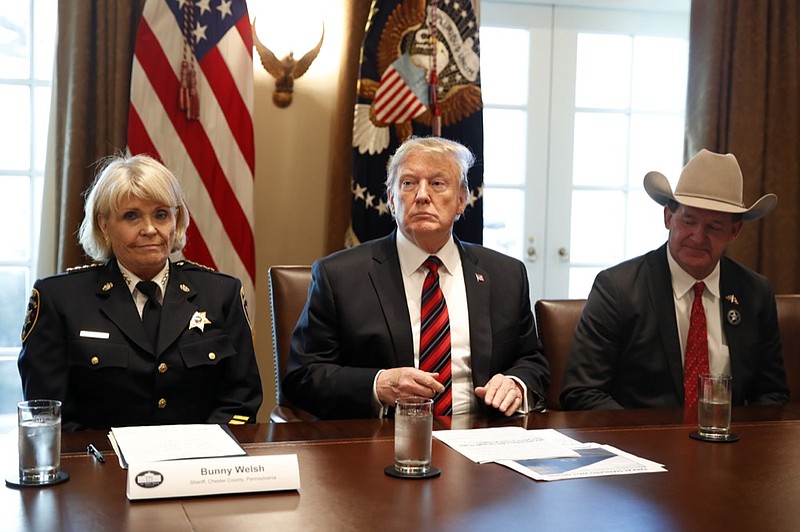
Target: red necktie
434	338
696	358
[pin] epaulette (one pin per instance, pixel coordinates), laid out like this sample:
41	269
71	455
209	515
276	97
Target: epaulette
181	263
83	267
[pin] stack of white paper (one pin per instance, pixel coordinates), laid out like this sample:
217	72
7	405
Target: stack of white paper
544	454
157	443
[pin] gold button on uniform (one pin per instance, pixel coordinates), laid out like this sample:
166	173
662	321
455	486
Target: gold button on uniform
212	356
95	361
162	403
162	368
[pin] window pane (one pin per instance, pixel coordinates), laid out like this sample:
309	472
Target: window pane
580	281
656	144
15	46
503	220
10	390
504	75
660	68
15	202
597	227
44	38
15	142
645	227
603	71
24	107
504	146
600	156
13	302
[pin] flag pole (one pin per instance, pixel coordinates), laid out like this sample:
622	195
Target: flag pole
436	121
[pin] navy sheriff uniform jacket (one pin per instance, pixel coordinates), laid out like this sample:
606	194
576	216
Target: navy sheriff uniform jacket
84	344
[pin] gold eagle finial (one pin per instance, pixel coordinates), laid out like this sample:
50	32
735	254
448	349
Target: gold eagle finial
285	70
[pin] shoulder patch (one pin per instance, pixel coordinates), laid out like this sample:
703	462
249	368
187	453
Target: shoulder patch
31	315
84	267
244	307
186	262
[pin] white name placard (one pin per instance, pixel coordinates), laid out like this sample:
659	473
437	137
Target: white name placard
213	476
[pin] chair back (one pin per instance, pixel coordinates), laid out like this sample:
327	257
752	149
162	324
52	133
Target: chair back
789	324
288	290
555	324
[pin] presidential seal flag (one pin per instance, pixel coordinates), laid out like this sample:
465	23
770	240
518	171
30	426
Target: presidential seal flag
419	75
191	107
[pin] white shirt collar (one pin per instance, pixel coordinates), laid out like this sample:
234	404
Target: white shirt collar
412	257
682	282
160	279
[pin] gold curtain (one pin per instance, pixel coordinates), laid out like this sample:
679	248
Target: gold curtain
341	164
92	81
743	98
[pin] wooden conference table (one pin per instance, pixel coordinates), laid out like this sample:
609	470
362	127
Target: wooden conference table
753	484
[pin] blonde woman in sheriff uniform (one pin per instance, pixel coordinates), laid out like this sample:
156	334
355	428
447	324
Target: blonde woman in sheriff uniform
137	339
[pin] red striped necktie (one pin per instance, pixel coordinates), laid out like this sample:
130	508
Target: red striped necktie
696	359
434	341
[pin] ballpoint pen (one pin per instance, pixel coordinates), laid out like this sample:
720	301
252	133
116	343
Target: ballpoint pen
97	453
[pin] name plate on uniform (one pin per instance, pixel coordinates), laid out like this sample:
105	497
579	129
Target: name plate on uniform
213	476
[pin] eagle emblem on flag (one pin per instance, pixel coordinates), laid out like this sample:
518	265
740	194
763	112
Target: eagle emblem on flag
404	57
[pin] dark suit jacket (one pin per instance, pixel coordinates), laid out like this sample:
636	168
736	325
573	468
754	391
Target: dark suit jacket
626	351
207	376
355	322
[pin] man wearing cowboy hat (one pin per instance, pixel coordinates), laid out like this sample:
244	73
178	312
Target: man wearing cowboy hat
631	341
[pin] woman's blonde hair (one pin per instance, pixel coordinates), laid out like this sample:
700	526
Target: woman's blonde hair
120	178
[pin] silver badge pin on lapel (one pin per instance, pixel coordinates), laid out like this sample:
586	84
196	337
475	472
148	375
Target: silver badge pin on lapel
734	317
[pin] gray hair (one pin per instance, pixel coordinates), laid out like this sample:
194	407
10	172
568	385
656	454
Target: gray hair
460	154
120	178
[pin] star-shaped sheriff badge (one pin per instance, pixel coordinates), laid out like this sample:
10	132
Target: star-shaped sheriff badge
199	321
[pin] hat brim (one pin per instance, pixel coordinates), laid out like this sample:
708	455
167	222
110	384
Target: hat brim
657	187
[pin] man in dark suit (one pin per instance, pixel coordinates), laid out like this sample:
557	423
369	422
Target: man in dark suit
357	344
630	343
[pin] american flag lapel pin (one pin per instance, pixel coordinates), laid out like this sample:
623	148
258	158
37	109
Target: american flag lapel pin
479	277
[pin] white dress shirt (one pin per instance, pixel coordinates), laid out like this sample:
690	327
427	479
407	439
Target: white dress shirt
139	298
683	295
451	281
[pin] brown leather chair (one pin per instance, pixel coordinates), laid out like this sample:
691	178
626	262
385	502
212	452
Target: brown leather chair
555	323
789	324
288	290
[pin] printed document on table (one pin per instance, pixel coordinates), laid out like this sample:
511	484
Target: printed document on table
157	443
507	443
594	460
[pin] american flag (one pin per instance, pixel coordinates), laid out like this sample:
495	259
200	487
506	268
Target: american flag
401	94
202	131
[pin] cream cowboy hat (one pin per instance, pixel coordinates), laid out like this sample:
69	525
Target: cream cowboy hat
709	181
